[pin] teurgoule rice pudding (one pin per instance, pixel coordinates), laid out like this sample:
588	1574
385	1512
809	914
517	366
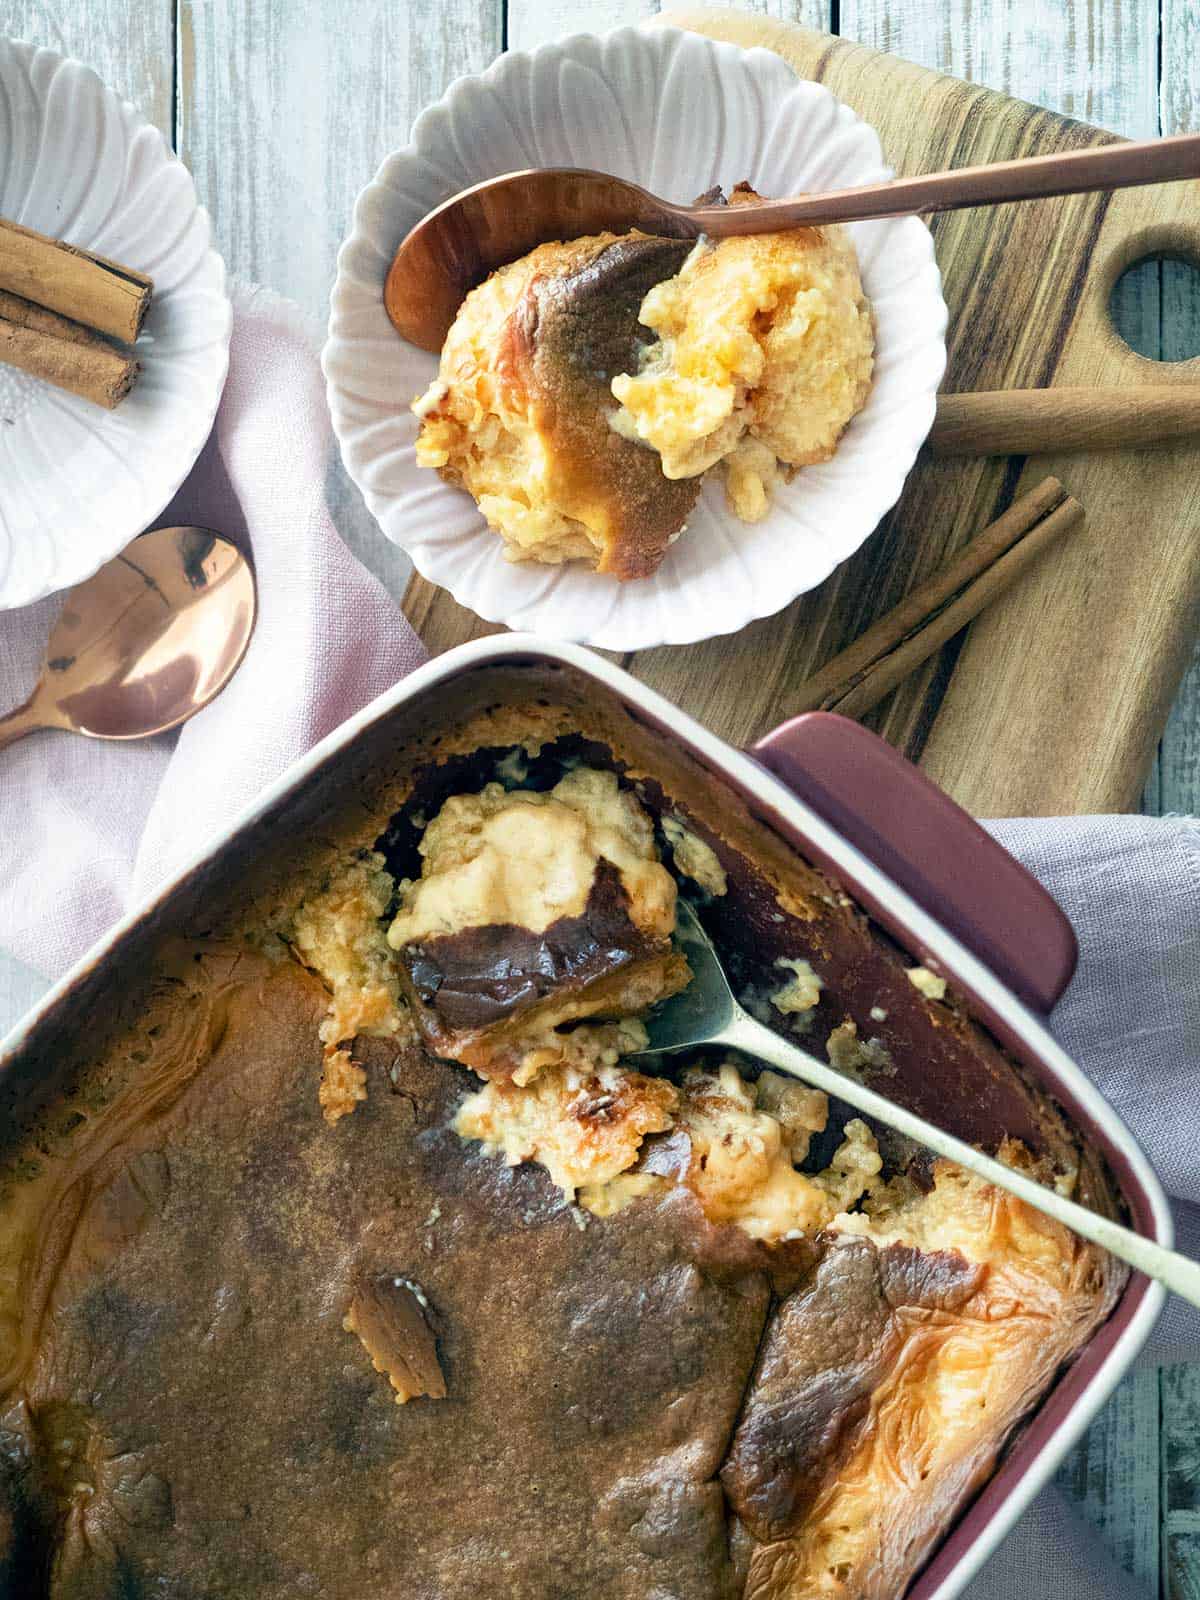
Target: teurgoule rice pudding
585	390
352	1255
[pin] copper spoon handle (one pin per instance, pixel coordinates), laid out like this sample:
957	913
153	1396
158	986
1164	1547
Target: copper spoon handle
1110	166
25	719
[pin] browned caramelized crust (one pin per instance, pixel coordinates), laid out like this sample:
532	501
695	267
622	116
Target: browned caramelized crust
569	338
829	1347
466	985
483	975
228	1440
519	415
584	389
390	1315
534	909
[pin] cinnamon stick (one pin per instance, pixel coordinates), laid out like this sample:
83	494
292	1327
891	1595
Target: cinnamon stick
36	318
88	288
936	610
1025	421
67	355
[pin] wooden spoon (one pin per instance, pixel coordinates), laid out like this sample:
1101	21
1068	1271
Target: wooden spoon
147	642
479	229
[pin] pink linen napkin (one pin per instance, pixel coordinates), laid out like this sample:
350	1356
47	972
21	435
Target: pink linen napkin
87	828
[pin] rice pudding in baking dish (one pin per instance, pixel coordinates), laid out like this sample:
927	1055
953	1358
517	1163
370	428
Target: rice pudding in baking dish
344	1252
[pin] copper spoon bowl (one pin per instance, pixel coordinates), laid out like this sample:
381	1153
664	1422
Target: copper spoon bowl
145	643
474	232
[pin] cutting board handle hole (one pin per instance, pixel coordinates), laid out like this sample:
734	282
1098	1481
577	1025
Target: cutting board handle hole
1155	304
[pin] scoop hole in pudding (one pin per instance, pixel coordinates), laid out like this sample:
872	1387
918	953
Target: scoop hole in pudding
1155	307
510	765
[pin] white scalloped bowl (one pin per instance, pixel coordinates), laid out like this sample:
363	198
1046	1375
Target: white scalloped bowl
78	483
677	113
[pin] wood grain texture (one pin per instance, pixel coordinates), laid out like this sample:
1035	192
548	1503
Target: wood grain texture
285	112
1094	694
1180	1396
958	732
1175	785
1179	88
1109	64
534	22
892	648
1030	421
130	43
1112	1477
1094	61
1113	1474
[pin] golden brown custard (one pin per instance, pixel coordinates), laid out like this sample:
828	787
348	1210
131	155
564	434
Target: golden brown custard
764	353
584	390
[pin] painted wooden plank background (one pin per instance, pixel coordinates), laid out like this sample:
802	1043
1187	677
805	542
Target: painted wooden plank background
1175	784
1180	1459
283	108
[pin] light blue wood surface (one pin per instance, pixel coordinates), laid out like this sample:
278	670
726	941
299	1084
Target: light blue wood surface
283	108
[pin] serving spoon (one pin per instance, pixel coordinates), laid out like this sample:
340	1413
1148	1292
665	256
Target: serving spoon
707	1013
146	642
477	230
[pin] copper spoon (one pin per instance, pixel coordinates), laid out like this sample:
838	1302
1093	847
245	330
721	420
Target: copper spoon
707	1013
145	643
479	229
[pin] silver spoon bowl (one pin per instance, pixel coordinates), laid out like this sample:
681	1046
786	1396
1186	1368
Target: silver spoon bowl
707	1013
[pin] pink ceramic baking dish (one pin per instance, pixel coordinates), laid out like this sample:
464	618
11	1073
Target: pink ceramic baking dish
928	875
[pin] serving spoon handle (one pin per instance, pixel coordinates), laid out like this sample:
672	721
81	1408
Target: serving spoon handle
1110	166
25	719
1174	1271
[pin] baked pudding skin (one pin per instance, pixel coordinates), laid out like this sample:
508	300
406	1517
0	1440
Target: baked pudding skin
585	389
518	415
212	1300
534	909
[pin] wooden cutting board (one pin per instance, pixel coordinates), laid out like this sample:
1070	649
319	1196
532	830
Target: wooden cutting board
1053	701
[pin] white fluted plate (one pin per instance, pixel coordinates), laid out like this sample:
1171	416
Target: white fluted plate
77	483
677	113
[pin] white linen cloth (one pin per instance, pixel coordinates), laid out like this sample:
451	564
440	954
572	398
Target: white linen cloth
88	828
